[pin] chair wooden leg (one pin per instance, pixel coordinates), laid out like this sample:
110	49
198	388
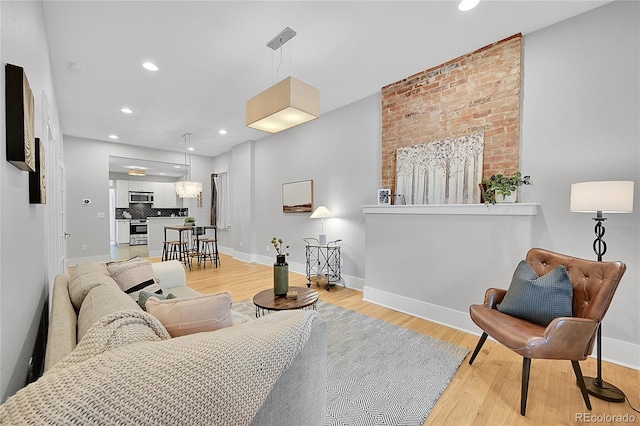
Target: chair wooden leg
483	338
526	366
578	372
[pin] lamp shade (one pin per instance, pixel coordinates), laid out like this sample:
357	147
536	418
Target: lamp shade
285	104
602	196
320	213
187	189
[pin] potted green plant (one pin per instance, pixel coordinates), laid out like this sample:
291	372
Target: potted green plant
189	221
502	188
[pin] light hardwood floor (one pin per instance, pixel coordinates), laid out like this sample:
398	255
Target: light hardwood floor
485	393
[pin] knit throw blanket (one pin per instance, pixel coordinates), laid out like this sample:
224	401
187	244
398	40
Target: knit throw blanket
128	371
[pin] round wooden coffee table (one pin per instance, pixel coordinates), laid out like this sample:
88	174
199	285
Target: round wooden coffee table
266	300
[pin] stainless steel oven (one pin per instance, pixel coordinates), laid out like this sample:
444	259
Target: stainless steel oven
138	232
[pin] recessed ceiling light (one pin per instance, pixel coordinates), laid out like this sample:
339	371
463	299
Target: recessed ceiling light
162	173
126	110
150	66
222	132
466	5
190	148
113	136
176	167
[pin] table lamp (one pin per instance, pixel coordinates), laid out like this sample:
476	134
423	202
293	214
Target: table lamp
602	197
320	213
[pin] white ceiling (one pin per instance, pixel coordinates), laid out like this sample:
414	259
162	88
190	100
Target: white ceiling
213	56
151	168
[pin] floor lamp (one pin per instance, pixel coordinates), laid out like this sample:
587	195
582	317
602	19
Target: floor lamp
602	197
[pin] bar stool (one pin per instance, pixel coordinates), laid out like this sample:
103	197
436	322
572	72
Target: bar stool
166	249
179	251
210	251
196	252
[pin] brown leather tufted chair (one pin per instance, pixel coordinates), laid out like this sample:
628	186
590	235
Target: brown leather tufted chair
570	338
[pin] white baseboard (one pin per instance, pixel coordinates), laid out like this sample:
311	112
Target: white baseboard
615	351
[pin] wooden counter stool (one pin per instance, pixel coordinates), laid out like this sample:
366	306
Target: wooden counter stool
166	249
179	251
210	251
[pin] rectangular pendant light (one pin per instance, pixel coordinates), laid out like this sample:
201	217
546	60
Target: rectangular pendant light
284	105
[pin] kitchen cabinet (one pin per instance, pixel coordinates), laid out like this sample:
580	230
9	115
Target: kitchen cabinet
171	199
158	195
164	196
122	194
122	231
140	186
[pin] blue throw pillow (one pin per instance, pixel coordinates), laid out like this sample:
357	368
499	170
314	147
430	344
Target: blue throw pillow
538	299
144	295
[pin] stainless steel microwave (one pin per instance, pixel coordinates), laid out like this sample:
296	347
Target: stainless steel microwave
141	197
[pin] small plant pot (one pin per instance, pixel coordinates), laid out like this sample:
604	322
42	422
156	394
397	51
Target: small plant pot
511	198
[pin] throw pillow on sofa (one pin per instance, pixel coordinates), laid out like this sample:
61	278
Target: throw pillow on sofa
84	277
538	299
145	295
192	314
133	276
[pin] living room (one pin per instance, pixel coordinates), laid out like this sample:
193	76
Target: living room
578	123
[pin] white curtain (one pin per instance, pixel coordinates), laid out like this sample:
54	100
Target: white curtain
447	171
220	200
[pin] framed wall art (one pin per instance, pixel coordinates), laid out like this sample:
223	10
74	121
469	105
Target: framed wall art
37	179
384	197
297	197
19	117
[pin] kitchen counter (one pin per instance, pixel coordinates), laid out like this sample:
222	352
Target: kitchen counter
166	217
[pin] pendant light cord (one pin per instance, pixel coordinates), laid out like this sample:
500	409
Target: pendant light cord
278	69
187	144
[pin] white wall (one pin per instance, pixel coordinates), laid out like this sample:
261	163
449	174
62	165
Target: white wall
242	192
23	226
340	152
87	165
580	122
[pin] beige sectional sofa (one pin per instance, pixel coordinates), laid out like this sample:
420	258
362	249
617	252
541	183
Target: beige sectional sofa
267	371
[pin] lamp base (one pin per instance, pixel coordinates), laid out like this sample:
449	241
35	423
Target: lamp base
323	239
605	391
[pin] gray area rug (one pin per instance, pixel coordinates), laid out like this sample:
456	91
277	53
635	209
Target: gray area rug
380	373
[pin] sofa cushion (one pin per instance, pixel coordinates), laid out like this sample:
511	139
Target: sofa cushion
84	277
538	299
170	274
193	314
133	276
144	295
100	301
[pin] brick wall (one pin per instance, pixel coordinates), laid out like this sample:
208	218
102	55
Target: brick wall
475	93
